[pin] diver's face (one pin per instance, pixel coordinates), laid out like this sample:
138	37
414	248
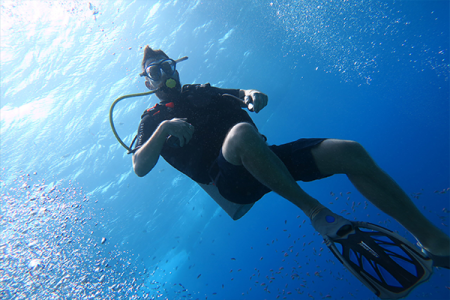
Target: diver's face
158	70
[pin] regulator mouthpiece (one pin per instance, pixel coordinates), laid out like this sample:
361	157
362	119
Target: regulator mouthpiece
171	83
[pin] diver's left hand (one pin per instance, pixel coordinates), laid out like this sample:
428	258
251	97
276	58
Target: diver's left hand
256	99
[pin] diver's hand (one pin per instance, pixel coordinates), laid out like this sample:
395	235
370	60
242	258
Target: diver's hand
180	128
255	100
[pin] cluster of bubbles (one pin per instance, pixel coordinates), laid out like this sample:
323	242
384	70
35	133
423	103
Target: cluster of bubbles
52	246
73	7
351	38
23	15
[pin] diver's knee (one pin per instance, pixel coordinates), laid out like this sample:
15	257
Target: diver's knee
357	156
353	149
334	156
241	133
239	141
243	128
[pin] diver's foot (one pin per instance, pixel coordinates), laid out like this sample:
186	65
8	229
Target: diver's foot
438	261
441	259
330	224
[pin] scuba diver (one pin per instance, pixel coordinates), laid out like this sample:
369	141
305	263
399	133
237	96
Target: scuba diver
205	133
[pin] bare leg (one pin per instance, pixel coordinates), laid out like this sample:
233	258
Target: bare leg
347	157
245	146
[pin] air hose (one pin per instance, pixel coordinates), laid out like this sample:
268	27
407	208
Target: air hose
170	83
111	121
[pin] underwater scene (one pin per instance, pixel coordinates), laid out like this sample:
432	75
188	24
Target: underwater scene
76	222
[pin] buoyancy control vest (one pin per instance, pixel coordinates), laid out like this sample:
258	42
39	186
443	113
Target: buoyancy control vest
212	116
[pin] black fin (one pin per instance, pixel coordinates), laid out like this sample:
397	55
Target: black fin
385	262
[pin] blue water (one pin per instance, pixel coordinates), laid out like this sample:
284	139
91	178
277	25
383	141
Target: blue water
77	223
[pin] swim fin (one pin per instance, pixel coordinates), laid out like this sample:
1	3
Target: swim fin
388	264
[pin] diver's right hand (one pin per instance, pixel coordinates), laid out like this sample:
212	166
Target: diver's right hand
180	128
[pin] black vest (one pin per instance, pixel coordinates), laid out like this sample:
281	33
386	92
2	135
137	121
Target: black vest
210	113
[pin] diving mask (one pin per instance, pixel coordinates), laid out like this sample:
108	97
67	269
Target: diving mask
154	70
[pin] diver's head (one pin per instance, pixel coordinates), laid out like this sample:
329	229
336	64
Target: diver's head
160	73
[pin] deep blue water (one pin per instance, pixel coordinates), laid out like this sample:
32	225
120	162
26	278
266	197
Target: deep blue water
372	71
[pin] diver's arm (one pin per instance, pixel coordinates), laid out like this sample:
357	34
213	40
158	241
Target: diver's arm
146	157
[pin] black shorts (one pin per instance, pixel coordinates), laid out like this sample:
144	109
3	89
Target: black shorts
237	185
